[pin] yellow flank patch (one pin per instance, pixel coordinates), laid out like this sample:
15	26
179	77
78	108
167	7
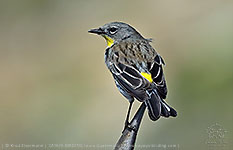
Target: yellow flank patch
147	76
108	40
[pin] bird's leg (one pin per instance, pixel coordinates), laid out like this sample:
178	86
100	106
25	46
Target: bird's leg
128	114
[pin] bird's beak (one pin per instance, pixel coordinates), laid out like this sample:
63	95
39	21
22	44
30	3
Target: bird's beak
96	31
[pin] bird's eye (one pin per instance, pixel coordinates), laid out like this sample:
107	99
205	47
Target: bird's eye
112	30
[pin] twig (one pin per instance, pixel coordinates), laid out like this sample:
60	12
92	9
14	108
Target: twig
128	137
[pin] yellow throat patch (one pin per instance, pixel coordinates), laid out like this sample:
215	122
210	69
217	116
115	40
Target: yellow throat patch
147	76
108	40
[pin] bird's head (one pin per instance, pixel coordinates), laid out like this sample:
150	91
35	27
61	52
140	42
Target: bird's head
116	32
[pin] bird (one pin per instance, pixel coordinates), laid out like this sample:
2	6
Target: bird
136	67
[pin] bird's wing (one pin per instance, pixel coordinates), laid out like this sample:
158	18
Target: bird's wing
149	86
130	79
129	75
156	70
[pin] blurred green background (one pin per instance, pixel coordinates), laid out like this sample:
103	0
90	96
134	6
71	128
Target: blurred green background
55	87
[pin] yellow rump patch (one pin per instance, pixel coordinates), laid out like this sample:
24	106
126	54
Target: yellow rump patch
108	40
147	76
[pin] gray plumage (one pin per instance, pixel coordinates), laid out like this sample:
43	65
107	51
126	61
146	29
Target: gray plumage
127	58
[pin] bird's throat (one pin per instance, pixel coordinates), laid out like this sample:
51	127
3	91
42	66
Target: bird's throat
108	40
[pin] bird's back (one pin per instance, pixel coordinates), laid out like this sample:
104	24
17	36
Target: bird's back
137	53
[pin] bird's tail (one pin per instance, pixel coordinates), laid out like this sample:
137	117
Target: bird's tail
157	107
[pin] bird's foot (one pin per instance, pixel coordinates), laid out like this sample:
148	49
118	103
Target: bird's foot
126	125
129	127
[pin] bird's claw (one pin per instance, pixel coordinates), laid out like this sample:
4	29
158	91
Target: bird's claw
129	127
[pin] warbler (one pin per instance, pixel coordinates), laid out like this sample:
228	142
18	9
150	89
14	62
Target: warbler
136	67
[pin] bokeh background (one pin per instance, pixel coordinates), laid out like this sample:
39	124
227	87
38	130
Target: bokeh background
55	88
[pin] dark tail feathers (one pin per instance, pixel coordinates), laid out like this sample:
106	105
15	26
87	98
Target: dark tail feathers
157	107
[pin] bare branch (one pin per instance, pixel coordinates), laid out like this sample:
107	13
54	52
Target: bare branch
128	137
